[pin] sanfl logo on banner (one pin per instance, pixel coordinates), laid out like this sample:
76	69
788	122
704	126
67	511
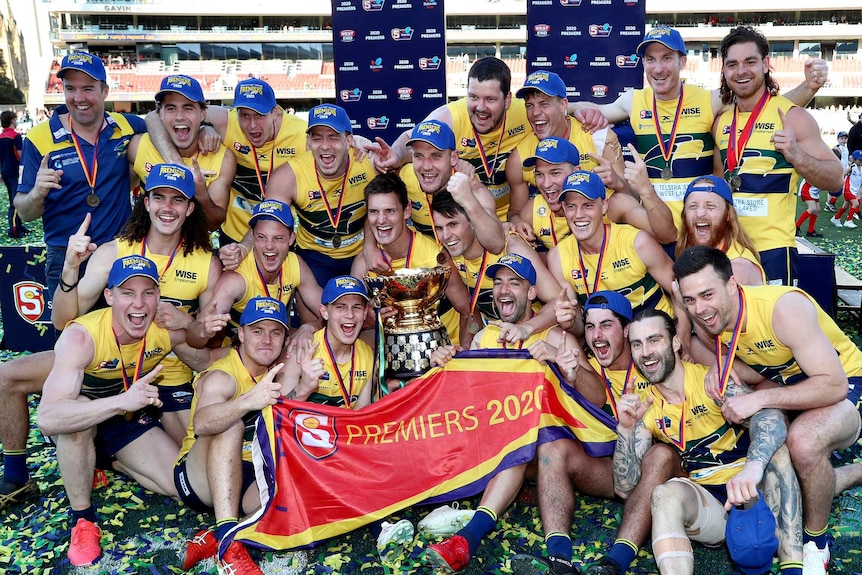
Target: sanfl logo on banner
314	433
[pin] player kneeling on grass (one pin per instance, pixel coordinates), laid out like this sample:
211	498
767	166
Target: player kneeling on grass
214	471
99	414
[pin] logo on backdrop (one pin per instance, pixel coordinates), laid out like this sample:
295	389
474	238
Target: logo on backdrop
380	123
430	63
30	301
353	95
600	30
372	5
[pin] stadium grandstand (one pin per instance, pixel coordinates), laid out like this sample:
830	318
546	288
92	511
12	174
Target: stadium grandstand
222	42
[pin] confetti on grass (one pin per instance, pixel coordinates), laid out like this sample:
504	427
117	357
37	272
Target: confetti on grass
144	533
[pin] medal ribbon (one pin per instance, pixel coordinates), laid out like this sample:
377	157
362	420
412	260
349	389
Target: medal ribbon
257	170
736	146
612	401
337	217
583	267
489	170
681	443
138	368
666	152
346	393
263	281
89	175
253	378
170	259
482	267
725	366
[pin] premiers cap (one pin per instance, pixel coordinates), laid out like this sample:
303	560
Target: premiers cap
331	116
750	537
182	85
341	286
272	210
856	155
433	132
173	176
585	183
712	184
609	299
254	94
263	308
663	35
132	266
89	64
554	151
518	264
545	82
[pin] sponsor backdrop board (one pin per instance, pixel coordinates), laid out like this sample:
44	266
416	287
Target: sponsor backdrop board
589	43
24	301
390	62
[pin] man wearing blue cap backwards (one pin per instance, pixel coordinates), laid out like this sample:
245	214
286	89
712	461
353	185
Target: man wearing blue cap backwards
161	219
670	107
726	463
709	219
214	472
98	399
75	163
325	185
565	467
514	291
182	109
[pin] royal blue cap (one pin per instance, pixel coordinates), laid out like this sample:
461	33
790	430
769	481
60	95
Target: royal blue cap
89	64
132	266
263	308
585	183
554	151
548	83
712	184
331	116
614	301
750	537
173	176
433	132
522	266
842	134
254	94
183	85
341	286
856	155
663	35
272	210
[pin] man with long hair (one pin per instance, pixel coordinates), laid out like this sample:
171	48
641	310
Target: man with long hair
709	219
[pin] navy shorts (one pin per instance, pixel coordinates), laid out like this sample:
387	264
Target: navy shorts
324	267
781	266
176	397
115	433
187	494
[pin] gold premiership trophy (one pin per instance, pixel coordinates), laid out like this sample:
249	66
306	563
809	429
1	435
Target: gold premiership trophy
415	330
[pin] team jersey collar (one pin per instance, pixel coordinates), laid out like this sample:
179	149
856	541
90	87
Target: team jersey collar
60	133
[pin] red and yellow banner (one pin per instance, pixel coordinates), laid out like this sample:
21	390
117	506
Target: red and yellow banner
325	471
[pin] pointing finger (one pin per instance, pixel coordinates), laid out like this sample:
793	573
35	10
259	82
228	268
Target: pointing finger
82	229
598	159
635	155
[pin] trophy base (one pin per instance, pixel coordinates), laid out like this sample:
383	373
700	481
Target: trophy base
407	355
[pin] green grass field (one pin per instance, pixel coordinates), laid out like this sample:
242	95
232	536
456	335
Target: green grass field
143	532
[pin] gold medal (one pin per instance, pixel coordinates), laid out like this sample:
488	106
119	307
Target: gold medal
473	327
92	199
666	173
336	242
735	183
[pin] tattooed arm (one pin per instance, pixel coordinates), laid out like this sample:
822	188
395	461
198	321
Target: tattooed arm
768	431
632	444
783	495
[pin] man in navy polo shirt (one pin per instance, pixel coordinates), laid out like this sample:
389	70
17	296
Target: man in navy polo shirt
75	164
